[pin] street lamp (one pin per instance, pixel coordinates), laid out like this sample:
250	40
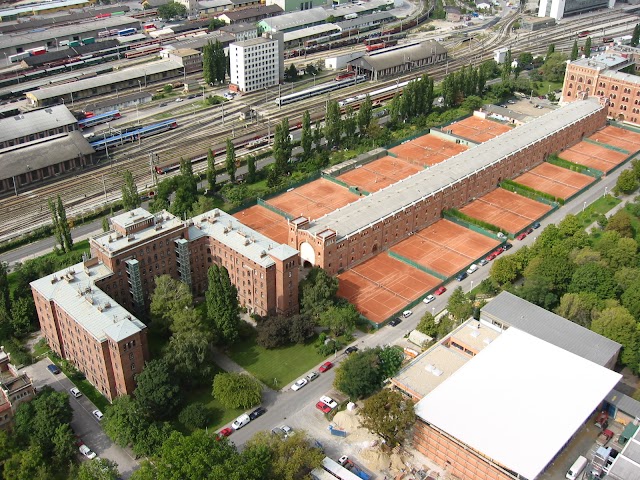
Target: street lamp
314	79
433	311
471	288
139	86
605	192
584	205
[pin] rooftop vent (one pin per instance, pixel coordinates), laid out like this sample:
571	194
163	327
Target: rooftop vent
247	241
89	299
263	253
48	110
158	227
475	334
131	237
54	279
435	371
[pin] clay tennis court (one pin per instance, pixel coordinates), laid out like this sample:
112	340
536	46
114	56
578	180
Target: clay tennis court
382	286
379	174
445	247
557	181
618	137
265	221
477	129
314	199
507	210
427	150
594	156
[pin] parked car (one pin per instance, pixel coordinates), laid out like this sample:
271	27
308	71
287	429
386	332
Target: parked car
75	392
324	408
87	452
407	313
179	99
395	321
98	414
351	349
330	402
506	247
472	268
299	384
428	299
226	431
461	276
501	235
192	96
440	291
536	225
312	376
163	104
258	412
483	262
522	236
325	367
529	231
53	369
240	422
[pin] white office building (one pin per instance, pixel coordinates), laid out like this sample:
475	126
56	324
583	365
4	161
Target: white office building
559	9
256	63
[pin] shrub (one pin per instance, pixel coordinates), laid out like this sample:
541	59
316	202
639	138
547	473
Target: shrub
194	416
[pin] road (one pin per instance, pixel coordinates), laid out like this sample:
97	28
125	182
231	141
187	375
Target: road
83	423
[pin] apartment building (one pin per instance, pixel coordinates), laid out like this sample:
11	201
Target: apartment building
611	75
257	63
15	388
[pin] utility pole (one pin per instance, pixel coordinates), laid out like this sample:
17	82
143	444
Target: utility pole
104	187
154	174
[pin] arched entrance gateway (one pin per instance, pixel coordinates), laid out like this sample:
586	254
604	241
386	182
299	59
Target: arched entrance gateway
307	255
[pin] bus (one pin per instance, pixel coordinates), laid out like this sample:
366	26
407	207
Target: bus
127	31
98	119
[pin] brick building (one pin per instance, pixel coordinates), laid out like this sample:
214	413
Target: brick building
85	311
610	75
358	231
15	388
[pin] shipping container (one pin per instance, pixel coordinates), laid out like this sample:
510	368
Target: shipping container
88	40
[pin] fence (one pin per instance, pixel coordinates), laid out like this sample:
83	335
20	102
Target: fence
274	209
531	193
470	225
349	165
436	132
561	162
408	139
412	263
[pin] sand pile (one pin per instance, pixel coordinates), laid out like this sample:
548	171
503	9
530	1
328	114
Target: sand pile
374	459
350	422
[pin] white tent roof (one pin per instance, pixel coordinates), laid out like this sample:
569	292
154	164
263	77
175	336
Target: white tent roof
518	401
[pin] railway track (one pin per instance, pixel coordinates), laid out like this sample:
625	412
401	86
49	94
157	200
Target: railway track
81	192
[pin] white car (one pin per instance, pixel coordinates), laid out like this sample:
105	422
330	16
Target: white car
407	313
299	384
98	414
86	451
229	96
75	392
428	299
241	421
328	401
472	269
179	99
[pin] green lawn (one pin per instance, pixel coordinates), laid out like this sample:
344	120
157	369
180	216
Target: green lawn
218	415
275	367
597	208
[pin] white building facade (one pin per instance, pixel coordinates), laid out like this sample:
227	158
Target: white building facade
256	64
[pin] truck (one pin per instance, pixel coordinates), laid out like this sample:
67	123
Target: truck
604	437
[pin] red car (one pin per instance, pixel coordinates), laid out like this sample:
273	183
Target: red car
325	367
529	230
522	236
498	252
225	432
440	291
323	407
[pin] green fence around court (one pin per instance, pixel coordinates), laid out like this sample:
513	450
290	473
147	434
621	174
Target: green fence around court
470	226
531	193
274	209
414	264
576	167
606	145
408	139
352	164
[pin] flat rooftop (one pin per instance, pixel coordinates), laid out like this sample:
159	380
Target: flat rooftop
36	121
519	401
229	231
626	466
38	7
74	291
309	31
369	209
440	362
517	312
602	61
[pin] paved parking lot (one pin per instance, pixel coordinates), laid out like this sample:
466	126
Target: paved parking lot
84	424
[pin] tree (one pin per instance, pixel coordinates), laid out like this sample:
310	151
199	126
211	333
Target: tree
301	328
157	392
172	10
130	195
237	390
318	134
333	124
506	67
290	458
230	161
251	169
341	320
98	469
574	51
427	325
189	346
169	296
211	170
459	305
619	325
216	24
525	58
358	376
291	73
579	307
62	231
222	304
630	299
208	63
550	50
391	359
195	415
282	146
27	463
635	37
621	223
125	421
105	224
587	47
5	298
306	138
365	115
350	124
64	448
388	414
554	67
22	312
505	270
594	278
318	292
273	332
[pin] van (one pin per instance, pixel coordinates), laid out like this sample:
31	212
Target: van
241	421
577	468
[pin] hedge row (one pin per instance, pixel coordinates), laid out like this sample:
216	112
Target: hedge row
474	221
527	191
